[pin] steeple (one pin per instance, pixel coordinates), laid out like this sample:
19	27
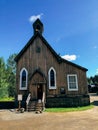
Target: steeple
38	26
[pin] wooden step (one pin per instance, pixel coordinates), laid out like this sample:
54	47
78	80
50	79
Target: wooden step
35	106
39	108
31	106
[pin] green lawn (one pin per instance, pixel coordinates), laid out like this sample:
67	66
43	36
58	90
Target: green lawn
7	99
68	109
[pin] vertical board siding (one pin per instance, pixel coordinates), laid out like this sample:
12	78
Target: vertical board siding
44	60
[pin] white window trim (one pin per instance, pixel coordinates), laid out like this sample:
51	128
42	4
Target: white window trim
52	87
69	89
23	88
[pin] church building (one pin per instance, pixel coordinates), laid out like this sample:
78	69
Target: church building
47	77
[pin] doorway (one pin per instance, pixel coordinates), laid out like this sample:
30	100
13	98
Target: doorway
40	91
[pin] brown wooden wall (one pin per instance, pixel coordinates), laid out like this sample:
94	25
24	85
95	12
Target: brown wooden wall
44	60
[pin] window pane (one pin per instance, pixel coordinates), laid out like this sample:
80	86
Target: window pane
23	83
23	78
72	79
52	78
72	82
72	85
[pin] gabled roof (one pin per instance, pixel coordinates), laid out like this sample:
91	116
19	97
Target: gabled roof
31	41
59	59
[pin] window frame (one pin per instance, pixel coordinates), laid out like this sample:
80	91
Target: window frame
76	82
23	88
52	87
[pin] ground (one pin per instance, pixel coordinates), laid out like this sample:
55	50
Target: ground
84	120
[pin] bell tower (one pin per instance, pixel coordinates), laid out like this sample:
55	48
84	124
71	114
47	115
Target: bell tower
38	27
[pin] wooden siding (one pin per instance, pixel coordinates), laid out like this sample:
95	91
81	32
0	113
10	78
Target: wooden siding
44	60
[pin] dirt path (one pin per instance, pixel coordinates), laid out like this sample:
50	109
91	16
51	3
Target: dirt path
85	120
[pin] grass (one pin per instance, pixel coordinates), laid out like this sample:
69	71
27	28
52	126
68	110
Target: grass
69	109
6	99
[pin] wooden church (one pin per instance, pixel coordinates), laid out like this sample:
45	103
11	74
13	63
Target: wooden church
42	76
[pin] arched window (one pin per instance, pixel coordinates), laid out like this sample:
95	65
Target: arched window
23	79
52	78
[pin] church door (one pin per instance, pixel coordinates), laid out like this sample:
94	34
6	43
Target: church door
37	86
40	91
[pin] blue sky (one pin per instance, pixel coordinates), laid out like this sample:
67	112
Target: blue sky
70	27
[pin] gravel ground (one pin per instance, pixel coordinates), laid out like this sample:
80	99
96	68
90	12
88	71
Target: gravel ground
84	120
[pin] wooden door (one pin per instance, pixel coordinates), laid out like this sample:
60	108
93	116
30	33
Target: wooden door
40	91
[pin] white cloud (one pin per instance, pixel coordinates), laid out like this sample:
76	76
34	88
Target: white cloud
69	57
96	71
34	17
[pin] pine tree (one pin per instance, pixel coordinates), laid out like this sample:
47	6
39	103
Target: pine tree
3	79
11	75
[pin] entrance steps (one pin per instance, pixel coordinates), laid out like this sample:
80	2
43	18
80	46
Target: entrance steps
35	106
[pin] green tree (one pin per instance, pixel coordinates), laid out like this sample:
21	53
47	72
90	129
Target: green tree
3	79
11	75
96	79
93	80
